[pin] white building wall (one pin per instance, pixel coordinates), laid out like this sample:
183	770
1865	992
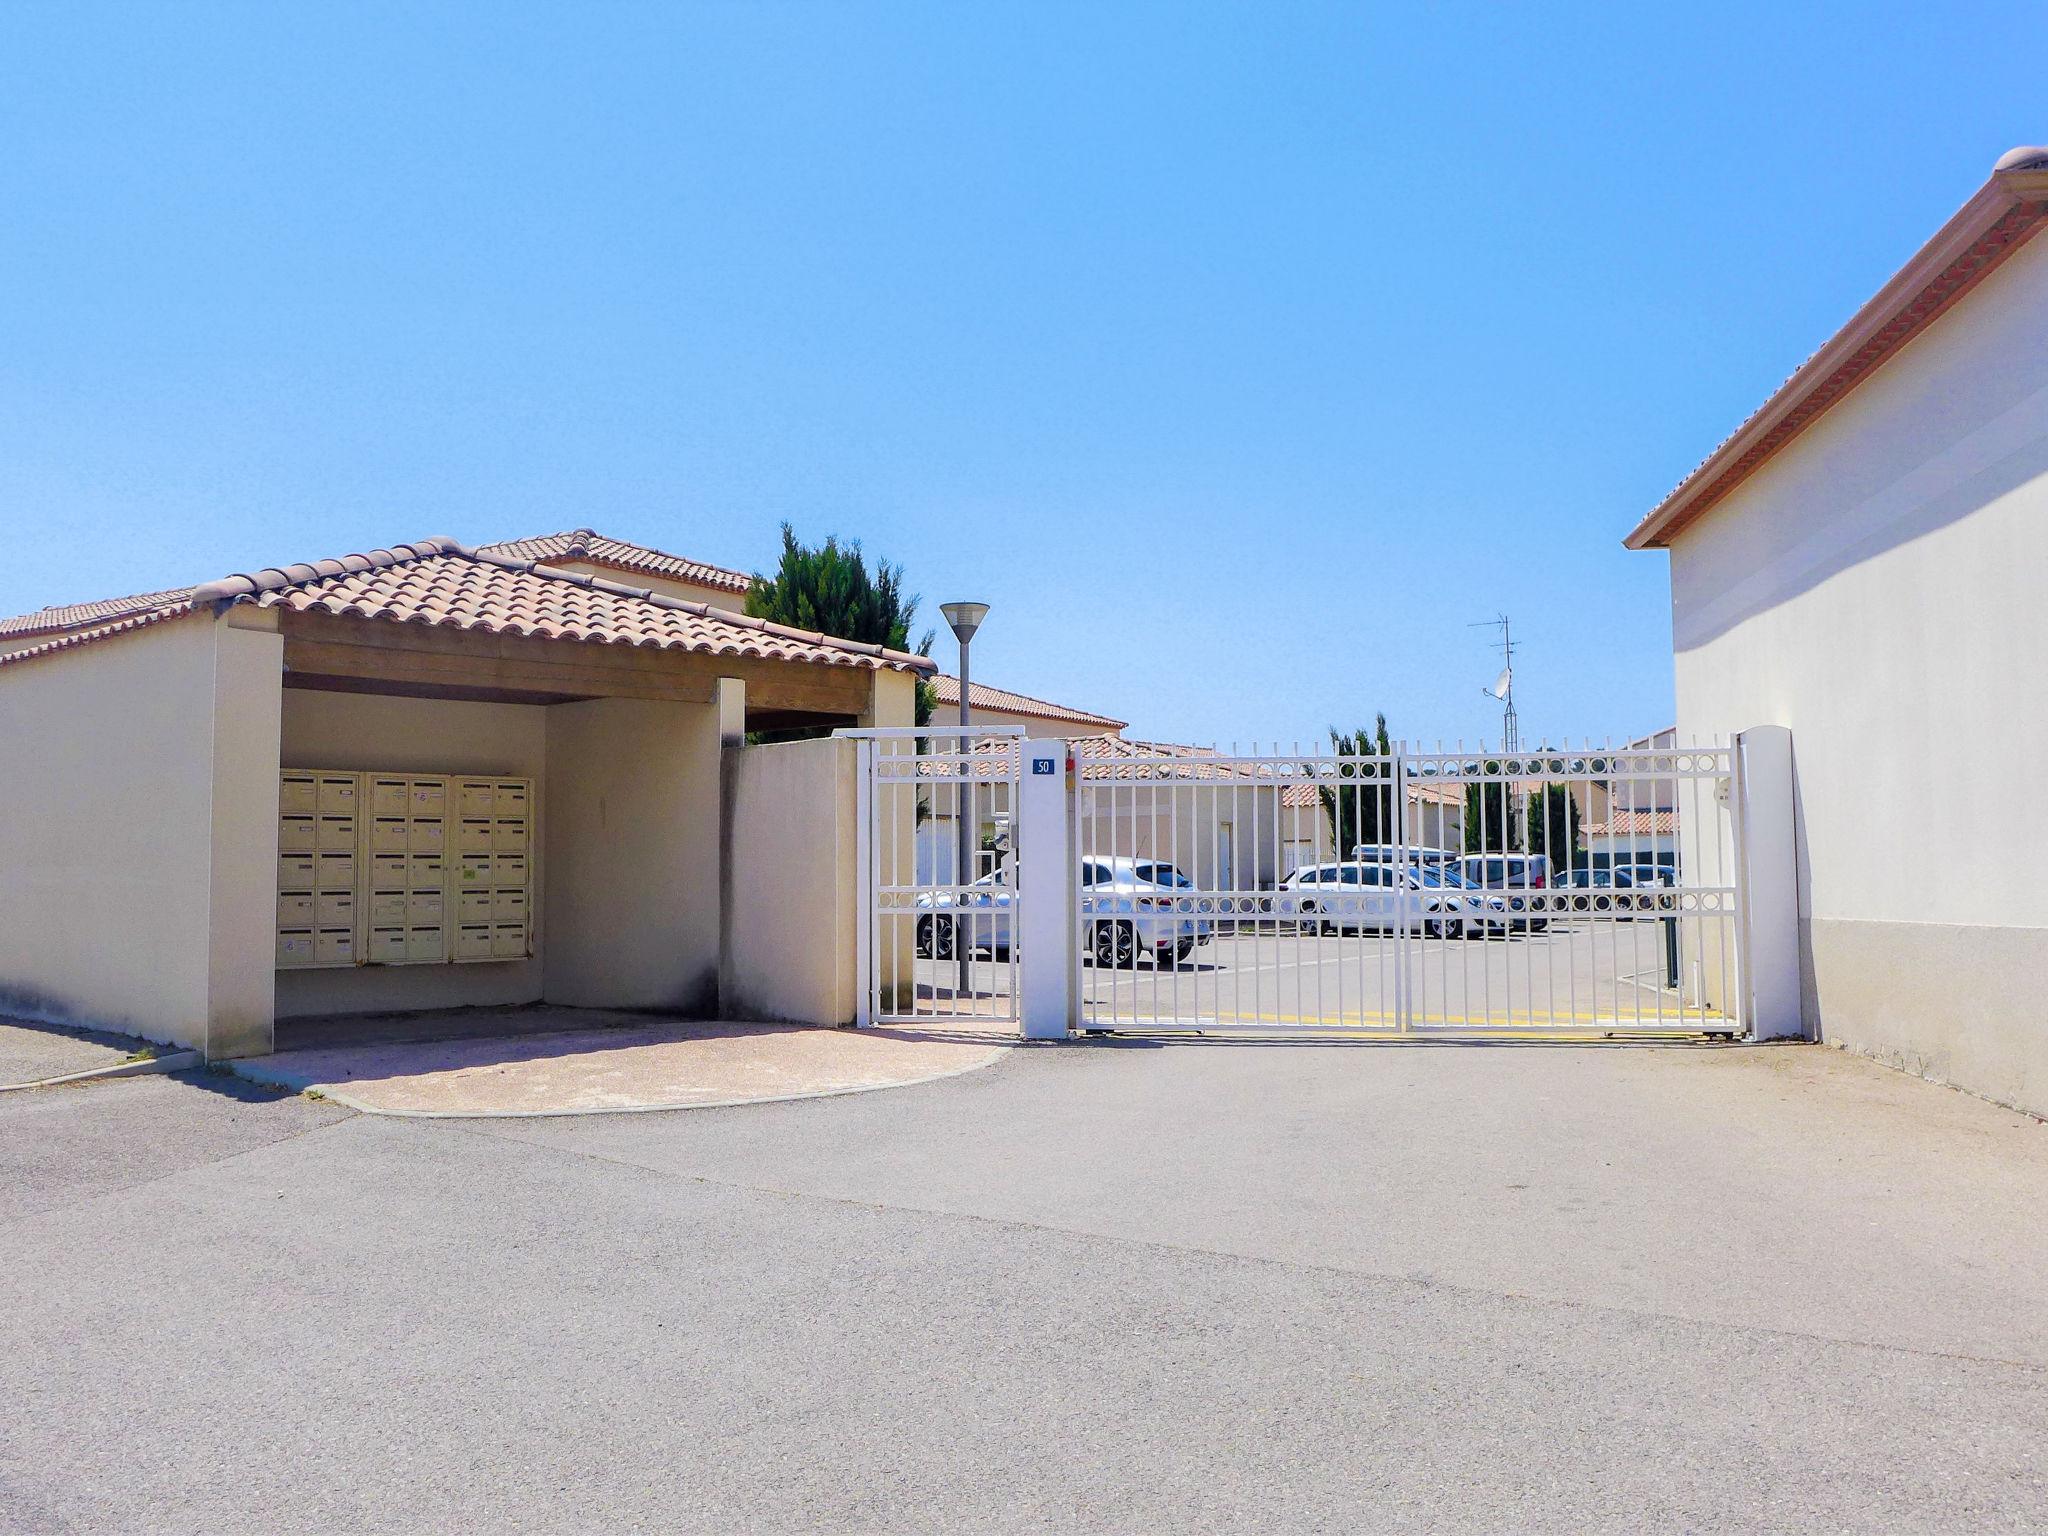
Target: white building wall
1878	588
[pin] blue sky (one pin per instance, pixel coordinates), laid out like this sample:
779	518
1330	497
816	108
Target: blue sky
1240	356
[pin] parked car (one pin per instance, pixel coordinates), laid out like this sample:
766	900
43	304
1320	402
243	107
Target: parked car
1334	898
986	924
1133	906
1613	891
1128	907
1387	853
1510	872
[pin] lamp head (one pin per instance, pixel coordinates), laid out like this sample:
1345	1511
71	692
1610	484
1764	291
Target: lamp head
965	618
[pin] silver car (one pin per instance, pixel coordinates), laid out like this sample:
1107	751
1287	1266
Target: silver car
1139	906
1128	907
1336	898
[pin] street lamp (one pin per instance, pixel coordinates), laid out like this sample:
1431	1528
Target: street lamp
965	619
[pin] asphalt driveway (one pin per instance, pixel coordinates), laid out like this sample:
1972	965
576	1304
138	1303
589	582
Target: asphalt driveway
1124	1287
33	1052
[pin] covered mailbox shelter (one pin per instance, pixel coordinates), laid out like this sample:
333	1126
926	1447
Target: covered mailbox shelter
426	776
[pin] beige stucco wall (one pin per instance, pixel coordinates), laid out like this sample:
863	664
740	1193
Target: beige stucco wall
370	732
632	821
141	792
892	699
792	884
716	597
1877	587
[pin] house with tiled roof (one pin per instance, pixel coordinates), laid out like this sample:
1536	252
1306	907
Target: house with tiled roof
1035	717
584	551
422	776
1630	820
1861	563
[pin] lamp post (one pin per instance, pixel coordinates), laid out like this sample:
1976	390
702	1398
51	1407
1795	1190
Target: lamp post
964	619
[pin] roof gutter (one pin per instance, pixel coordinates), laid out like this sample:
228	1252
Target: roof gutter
2006	212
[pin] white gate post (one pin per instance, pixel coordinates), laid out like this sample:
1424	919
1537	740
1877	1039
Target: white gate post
1767	860
1047	926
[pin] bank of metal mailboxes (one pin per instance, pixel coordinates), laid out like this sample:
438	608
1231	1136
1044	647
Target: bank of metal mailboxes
402	869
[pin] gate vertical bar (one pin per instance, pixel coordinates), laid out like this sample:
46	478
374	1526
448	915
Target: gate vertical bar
864	861
1397	789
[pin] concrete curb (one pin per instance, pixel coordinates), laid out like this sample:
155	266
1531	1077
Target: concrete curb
174	1061
300	1082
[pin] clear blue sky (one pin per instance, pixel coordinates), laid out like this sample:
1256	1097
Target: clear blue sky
1239	356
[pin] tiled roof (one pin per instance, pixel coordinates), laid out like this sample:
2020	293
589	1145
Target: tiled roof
1418	789
76	615
984	697
1113	757
593	548
439	582
78	637
1102	757
1633	824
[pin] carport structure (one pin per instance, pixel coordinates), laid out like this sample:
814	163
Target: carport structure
150	859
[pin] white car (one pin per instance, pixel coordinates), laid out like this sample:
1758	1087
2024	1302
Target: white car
1335	898
1133	906
1387	853
986	923
1128	907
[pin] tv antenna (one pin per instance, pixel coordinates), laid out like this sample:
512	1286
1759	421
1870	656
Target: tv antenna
1503	687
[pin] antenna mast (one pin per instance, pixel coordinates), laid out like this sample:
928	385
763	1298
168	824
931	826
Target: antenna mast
1504	689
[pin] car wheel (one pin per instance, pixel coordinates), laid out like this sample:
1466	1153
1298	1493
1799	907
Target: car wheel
939	943
1116	946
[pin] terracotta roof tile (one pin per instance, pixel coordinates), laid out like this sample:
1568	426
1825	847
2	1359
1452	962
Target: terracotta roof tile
1633	824
76	615
78	637
437	581
1418	789
948	690
593	548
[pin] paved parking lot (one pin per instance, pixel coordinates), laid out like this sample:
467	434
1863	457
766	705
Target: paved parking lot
1569	976
1131	1286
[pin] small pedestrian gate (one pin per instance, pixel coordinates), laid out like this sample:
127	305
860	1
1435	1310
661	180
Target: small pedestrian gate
1595	892
940	858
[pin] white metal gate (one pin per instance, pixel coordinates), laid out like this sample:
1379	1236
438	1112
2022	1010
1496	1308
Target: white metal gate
939	855
1552	893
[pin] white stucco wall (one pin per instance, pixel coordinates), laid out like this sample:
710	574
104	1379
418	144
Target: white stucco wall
371	732
632	820
1877	587
140	777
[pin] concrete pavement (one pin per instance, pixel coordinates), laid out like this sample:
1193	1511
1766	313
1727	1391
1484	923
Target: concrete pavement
1131	1288
612	1062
